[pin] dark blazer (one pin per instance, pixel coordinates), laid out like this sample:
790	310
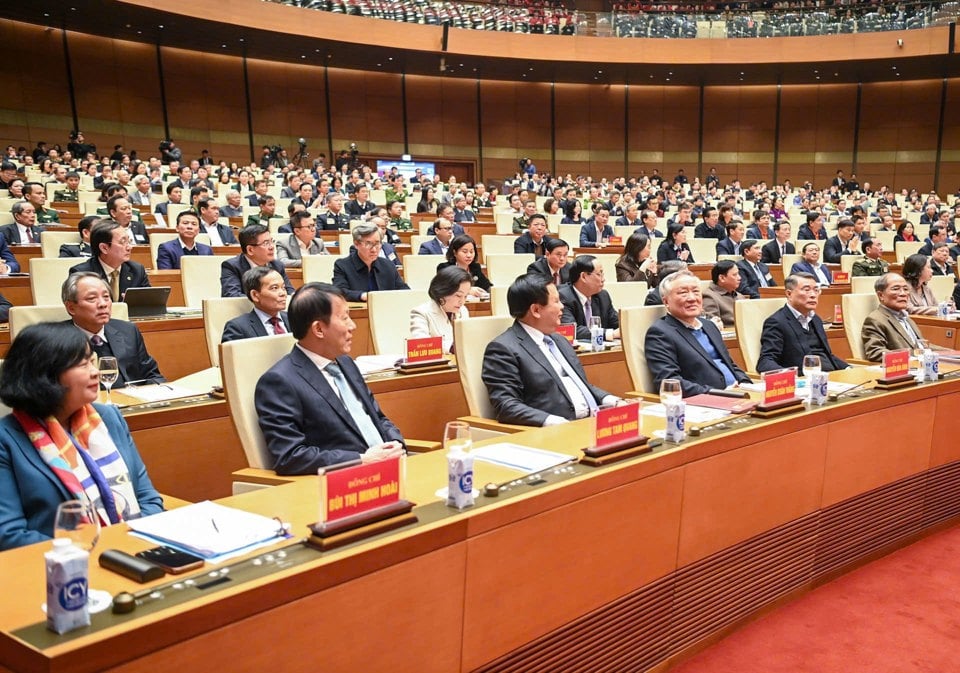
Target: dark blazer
77	250
524	245
542	267
248	326
11	233
588	234
431	247
7	256
355	210
656	233
770	253
674	353
753	231
478	277
666	251
466	215
303	421
749	283
231	275
32	492
352	276
718	232
523	386
726	247
170	252
601	305
806	234
133	360
833	250
132	274
804	266
226	233
783	343
139	232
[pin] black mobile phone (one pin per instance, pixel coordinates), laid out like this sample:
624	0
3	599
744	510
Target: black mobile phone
172	560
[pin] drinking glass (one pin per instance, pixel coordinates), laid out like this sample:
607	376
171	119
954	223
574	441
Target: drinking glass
108	373
811	365
670	391
456	435
77	520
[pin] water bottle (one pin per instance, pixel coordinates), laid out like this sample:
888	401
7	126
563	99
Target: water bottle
817	386
596	335
67	582
675	412
459	465
931	365
943	309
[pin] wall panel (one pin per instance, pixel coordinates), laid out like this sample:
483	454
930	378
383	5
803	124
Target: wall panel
950	159
442	117
366	108
516	124
664	129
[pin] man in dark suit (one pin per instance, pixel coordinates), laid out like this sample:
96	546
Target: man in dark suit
813	229
593	233
937	234
174	196
361	207
461	213
120	210
112	262
754	274
648	224
773	252
681	346
170	252
81	249
554	263
87	300
24	230
335	218
796	330
264	288
533	376
811	264
732	244
844	242
313	406
710	227
585	298
219	233
364	270
534	239
258	249
442	235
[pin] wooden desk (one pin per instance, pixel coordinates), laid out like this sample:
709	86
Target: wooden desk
939	331
706	535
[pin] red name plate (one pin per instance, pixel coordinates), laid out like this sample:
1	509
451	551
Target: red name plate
615	240
841	277
425	348
617	424
357	489
896	363
837	315
568	331
779	386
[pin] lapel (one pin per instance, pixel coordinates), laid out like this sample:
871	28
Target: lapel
312	376
535	354
120	347
794	325
687	335
897	327
32	456
258	327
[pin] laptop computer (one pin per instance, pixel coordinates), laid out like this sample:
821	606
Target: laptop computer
146	302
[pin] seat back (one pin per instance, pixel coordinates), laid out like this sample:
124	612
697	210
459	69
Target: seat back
856	308
904	249
607	261
634	323
570	233
492	244
504	222
749	316
498	300
200	277
47	276
472	337
22	317
626	295
704	250
243	362
318	268
158	238
942	286
51	241
217	312
788	261
389	313
504	269
862	285
419	270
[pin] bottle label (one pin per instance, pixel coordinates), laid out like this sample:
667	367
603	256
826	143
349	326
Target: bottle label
73	594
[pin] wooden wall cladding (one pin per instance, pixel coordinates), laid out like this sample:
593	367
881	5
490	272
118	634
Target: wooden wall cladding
288	101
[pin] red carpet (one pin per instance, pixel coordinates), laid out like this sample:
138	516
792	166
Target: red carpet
898	614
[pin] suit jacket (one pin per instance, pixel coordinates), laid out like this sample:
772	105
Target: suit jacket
7	256
523	386
524	245
656	233
806	234
430	320
882	332
833	250
355	210
126	344
783	343
352	276
601	305
477	277
667	251
804	266
132	274
290	254
749	283
466	215
226	233
542	266
770	253
231	276
727	247
138	232
674	353
718	303
11	233
137	198
303	421
248	326
431	247
753	231
588	234
78	250
170	252
32	491
329	222
704	231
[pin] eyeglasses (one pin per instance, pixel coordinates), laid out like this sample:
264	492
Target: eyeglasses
310	227
269	243
370	245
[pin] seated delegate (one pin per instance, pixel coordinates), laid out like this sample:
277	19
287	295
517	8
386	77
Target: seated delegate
264	288
448	291
58	445
462	253
889	326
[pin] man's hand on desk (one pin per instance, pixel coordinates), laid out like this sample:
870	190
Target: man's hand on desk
382	452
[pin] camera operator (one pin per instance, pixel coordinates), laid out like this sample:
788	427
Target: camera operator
78	148
169	152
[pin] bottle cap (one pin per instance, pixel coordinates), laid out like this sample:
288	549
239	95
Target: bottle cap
61	542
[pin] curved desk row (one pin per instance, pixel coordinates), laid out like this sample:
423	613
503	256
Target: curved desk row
616	568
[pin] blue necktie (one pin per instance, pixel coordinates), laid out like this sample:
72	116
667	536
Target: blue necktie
354	407
568	369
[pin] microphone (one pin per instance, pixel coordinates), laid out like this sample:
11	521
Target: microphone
833	397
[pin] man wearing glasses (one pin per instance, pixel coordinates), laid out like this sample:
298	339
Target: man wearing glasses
364	270
796	330
888	327
443	234
584	298
111	261
303	241
259	249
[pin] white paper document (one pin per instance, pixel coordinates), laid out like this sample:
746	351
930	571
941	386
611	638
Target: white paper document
692	414
518	457
159	392
372	364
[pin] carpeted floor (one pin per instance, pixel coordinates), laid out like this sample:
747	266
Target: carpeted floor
898	614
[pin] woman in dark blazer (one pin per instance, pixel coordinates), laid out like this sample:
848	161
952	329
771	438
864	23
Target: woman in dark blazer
675	245
462	252
635	263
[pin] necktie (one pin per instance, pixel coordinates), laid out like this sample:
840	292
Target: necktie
587	312
763	281
277	325
30	235
556	278
783	250
556	355
115	284
354	407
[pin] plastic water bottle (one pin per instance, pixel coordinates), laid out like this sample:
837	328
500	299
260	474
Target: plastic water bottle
943	309
68	569
459	465
596	335
817	386
675	412
931	365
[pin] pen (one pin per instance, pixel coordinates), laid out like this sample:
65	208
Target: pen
213	522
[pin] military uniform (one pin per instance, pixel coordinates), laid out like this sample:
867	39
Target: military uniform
256	219
401	223
71	195
391	195
870	267
520	224
46	215
333	222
